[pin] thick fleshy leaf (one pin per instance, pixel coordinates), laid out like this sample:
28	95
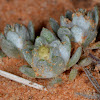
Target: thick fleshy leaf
74	59
54	48
69	15
58	65
65	49
85	62
96	15
1	37
27	55
35	57
23	33
81	22
6	29
50	69
9	49
63	22
64	31
73	74
43	69
77	34
2	54
56	80
54	25
55	43
31	31
48	35
39	41
15	39
28	44
27	70
91	36
16	28
54	52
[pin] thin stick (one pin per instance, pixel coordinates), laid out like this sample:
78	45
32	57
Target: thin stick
95	96
94	58
92	79
22	80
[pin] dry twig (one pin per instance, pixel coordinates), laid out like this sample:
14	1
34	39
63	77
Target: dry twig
92	79
95	96
97	60
22	80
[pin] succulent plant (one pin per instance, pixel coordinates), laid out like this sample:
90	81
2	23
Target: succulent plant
50	56
15	38
80	26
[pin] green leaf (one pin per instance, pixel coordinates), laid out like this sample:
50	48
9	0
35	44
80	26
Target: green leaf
85	62
6	29
62	21
27	53
96	15
58	65
39	41
31	30
54	51
55	81
54	25
16	28
81	22
55	43
77	34
50	69
73	74
91	36
43	69
28	44
62	31
1	37
2	54
9	49
54	48
21	31
27	70
15	39
35	57
48	35
74	59
65	48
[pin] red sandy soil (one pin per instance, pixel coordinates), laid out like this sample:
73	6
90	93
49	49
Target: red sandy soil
39	11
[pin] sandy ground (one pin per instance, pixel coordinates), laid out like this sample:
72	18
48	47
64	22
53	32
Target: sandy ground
39	11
